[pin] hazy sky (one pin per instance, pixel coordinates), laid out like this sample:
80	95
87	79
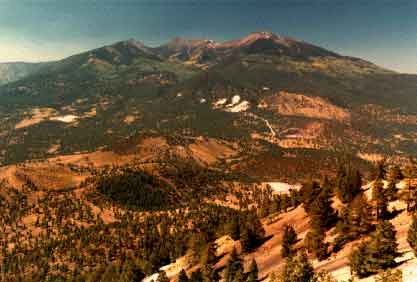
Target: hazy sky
382	31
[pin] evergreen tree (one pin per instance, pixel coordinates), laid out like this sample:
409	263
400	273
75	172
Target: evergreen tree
380	171
182	277
162	277
288	240
322	215
298	269
356	220
379	199
409	194
234	268
390	276
209	274
251	232
376	254
392	190
131	273
395	174
209	254
348	184
412	235
360	216
253	272
196	276
315	244
309	192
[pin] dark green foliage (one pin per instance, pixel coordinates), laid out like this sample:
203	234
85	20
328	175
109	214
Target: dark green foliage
376	254
288	240
182	277
380	199
348	184
253	272
391	191
251	231
209	274
356	220
208	256
380	171
321	213
315	244
162	277
234	269
412	235
298	269
197	276
135	189
309	193
390	276
395	174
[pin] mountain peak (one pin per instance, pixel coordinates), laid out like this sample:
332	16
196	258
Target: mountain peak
256	36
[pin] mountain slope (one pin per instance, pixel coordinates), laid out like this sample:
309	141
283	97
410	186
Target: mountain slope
10	72
283	101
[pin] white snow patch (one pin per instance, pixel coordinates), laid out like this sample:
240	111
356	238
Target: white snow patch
241	107
179	94
265	88
66	118
235	100
219	103
282	187
202	101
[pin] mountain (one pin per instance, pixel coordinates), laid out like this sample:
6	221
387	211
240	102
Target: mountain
285	102
126	161
10	72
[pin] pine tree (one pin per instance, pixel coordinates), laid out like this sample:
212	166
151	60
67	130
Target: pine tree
392	190
131	273
234	267
360	216
309	192
288	240
379	199
209	274
322	215
315	244
196	276
376	254
395	174
348	184
380	170
298	269
412	235
182	277
209	254
390	276
162	277
409	194
253	272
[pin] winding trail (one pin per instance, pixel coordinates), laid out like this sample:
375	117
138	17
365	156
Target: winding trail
273	133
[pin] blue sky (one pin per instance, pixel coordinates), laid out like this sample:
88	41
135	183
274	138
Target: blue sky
382	31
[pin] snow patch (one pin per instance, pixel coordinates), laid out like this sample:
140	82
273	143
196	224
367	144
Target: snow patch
235	100
179	94
241	107
282	187
202	101
66	118
219	103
